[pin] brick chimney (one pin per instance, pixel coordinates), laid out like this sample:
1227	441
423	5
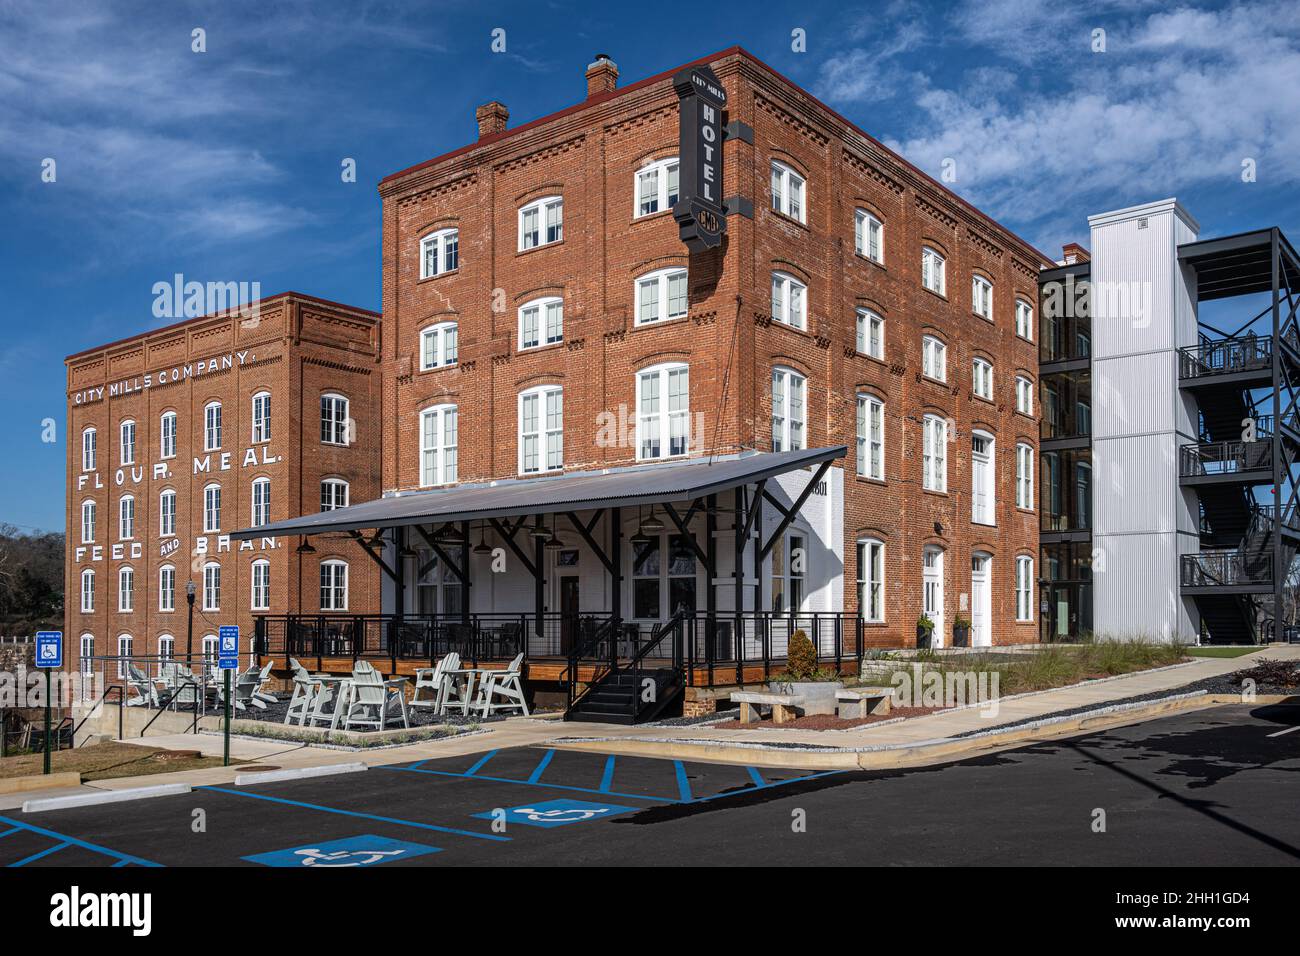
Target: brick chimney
1073	253
492	118
602	75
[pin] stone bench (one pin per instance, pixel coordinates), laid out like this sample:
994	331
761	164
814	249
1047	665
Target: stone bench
863	701
783	705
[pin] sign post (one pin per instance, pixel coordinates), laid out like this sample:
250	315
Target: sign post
701	218
227	660
49	657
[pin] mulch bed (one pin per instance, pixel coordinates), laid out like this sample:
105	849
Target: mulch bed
831	722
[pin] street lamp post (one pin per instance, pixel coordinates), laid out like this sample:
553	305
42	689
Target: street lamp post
189	627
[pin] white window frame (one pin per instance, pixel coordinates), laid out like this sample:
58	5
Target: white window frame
934	358
440	241
662	280
167	515
335	413
261	513
1024	320
212	426
211	508
664	197
260	590
434	466
934	453
261	417
871	580
871	437
439	346
864	225
166	648
989	516
668	423
89	448
934	270
125	589
981	297
167	425
334	485
545	430
789	417
546	233
1024	588
126	441
1024	476
870	333
125	650
982	378
88	591
337	571
789	574
212	586
167	588
548	327
126	517
786	182
1024	395
789	300
88	510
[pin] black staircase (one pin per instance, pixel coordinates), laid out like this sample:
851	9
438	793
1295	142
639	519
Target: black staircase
633	680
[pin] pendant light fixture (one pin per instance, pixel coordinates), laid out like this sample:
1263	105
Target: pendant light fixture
640	537
555	544
653	525
482	547
304	547
540	530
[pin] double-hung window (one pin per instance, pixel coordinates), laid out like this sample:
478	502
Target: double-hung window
439	253
934	359
1024	588
1024	320
212	509
333	494
871	580
661	295
1024	476
439	445
788	192
167	588
871	437
932	271
981	297
212	426
167	514
126	434
261	502
212	586
934	453
541	322
656	187
261	590
789	300
167	433
541	222
868	236
333	586
541	429
789	410
982	379
126	517
1024	395
871	334
439	346
334	420
261	417
88	449
663	411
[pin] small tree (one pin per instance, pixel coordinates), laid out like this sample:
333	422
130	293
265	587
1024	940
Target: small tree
801	658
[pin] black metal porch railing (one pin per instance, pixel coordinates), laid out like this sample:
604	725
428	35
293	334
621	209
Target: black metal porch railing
1226	568
1205	459
1225	356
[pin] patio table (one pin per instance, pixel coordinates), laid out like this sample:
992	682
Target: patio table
469	675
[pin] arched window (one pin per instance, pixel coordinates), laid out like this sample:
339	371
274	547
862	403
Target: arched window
261	417
662	411
1024	320
126	517
788	192
1024	395
932	271
439	346
333	494
934	453
982	379
167	513
87	591
789	410
661	295
126	590
871	437
541	322
871	334
981	297
166	648
439	445
87	654
212	586
656	187
212	426
89	440
439	253
789	300
868	236
334	419
261	501
541	222
261	589
125	650
334	585
1024	588
166	588
541	429
1025	476
934	358
212	508
87	522
167	435
126	435
210	646
871	579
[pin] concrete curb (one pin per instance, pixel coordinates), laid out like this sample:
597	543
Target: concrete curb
104	796
40	781
297	773
920	753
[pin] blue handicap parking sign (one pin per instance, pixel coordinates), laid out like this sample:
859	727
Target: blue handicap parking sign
228	635
558	813
49	648
365	850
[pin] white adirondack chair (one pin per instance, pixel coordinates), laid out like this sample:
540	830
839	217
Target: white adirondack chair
138	681
505	684
431	679
457	689
369	694
263	697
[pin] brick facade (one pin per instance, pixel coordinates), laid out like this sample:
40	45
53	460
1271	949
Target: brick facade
291	346
589	155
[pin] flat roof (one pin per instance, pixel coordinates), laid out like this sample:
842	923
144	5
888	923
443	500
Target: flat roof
667	75
1240	264
574	491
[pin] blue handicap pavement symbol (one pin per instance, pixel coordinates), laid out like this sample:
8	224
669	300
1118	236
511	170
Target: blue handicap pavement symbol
365	850
558	813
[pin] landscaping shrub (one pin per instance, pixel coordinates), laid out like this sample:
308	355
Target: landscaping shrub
801	658
1272	673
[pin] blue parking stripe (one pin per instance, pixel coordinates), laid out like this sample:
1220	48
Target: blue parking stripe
356	813
770	786
530	783
418	763
756	777
607	778
7	832
73	841
478	766
537	771
683	785
46	852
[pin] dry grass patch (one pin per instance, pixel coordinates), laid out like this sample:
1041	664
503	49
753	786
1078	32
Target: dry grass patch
104	761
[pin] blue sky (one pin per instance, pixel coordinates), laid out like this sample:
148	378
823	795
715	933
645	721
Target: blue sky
224	165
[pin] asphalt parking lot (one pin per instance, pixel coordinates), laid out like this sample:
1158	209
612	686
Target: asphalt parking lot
1214	787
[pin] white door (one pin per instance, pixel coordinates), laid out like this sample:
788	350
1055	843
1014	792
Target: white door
981	478
981	595
932	592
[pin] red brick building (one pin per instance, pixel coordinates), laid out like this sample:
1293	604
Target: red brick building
182	435
859	303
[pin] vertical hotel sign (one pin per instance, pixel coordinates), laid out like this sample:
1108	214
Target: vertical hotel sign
700	217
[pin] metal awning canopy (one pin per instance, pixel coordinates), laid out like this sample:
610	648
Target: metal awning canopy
1238	265
574	491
